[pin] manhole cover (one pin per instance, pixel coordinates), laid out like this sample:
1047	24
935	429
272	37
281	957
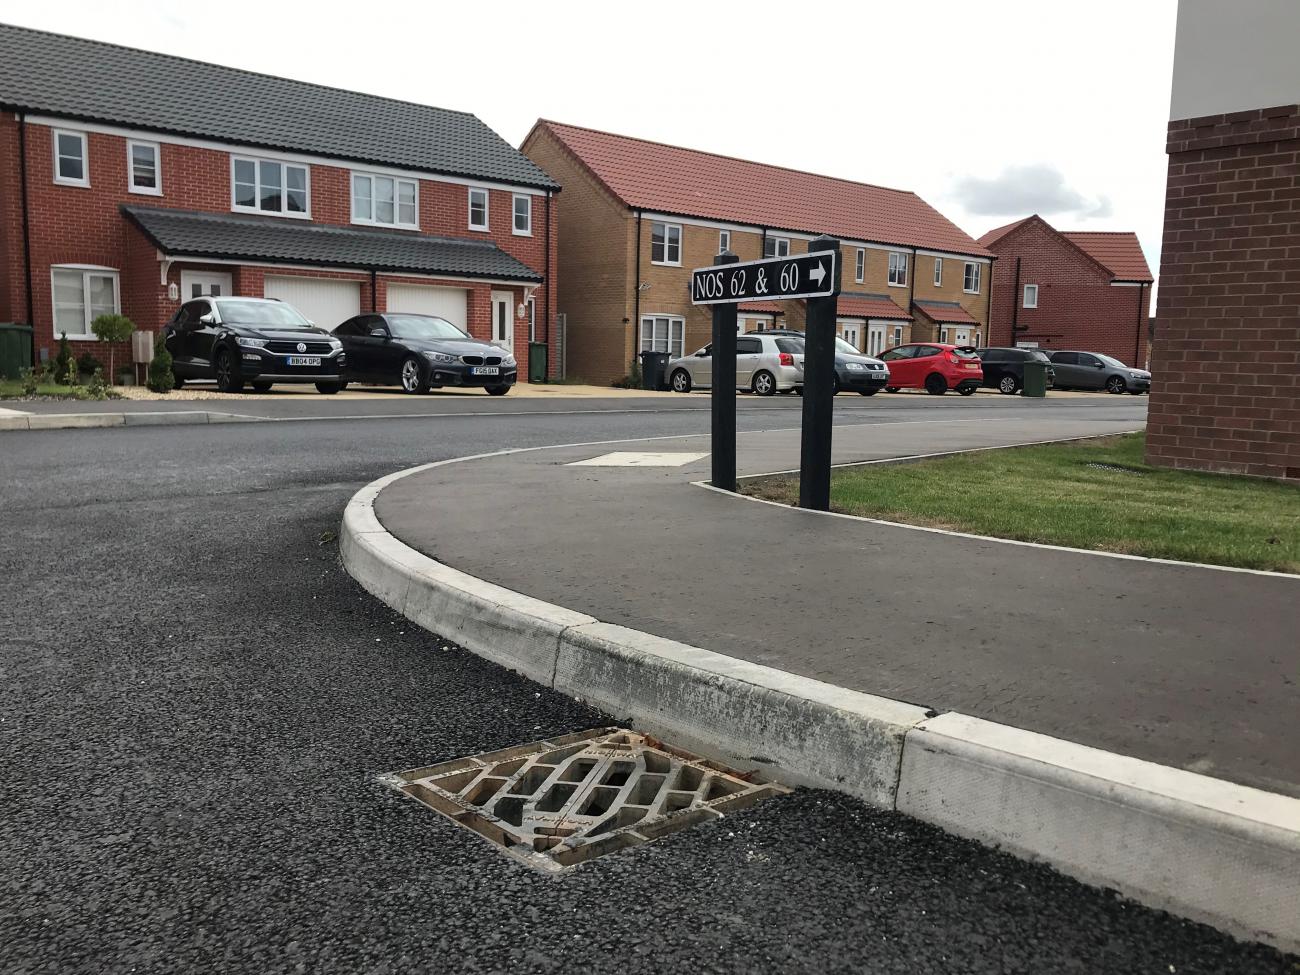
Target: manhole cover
559	802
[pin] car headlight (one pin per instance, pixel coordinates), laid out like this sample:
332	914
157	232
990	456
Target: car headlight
440	357
855	367
335	344
509	360
250	343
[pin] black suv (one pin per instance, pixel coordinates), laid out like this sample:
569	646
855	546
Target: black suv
1004	369
257	341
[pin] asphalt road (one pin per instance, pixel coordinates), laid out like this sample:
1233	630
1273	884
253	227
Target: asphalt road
195	703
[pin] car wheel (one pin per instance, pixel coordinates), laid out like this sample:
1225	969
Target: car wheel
178	382
412	376
681	381
1116	384
329	389
967	390
867	392
1008	385
224	369
835	385
891	389
261	387
935	384
764	383
498	390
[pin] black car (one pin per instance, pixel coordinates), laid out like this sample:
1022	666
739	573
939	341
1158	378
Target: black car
257	341
420	352
1004	369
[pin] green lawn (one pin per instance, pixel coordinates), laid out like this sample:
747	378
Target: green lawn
13	389
1055	494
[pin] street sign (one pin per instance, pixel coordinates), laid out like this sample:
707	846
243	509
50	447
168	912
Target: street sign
774	279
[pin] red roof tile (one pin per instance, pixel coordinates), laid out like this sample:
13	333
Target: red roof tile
945	313
1118	251
869	306
997	233
765	307
673	180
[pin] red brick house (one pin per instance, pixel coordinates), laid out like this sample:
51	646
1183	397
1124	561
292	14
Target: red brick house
1070	290
130	181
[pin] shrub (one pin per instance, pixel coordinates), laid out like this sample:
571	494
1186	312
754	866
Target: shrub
64	363
69	376
161	379
87	364
112	328
31	379
98	388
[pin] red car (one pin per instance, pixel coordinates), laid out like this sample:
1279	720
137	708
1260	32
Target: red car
935	368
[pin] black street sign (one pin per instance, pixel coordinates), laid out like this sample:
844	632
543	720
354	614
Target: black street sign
776	278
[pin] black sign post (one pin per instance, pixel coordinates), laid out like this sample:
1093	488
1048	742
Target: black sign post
724	387
818	391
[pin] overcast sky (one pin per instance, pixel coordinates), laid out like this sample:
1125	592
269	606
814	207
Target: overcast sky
989	111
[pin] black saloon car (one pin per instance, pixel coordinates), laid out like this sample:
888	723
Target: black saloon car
1004	369
257	341
419	352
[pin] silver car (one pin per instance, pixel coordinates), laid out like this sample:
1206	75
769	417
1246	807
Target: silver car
766	364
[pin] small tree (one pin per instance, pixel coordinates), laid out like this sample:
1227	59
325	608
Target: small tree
65	362
161	379
110	329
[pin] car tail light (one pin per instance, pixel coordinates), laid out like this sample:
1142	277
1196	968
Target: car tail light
786	359
953	358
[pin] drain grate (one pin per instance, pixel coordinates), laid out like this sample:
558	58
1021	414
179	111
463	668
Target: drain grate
1114	469
559	802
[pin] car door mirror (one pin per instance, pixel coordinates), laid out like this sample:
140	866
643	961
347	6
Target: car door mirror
378	333
207	318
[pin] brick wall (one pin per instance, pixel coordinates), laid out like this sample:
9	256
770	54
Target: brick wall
1226	358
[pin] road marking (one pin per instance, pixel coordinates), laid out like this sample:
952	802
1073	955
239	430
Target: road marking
628	458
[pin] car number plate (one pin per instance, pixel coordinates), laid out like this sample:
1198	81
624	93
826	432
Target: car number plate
973	365
304	360
485	370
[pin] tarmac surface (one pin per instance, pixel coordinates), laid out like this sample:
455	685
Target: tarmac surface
196	703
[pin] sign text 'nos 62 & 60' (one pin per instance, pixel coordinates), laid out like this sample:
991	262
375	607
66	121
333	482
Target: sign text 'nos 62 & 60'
777	278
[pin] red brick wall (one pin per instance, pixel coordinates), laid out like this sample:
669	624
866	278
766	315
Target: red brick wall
1078	307
1226	356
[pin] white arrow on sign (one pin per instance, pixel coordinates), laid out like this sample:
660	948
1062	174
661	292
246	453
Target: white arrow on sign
818	274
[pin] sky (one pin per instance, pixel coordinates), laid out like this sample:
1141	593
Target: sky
989	111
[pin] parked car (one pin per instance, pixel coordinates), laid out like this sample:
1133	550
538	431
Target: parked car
423	352
858	373
765	363
1004	369
258	341
1092	370
934	367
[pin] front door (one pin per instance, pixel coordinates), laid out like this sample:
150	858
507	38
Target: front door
961	336
852	334
195	284
877	339
503	332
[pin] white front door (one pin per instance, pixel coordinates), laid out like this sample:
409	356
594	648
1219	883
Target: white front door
503	320
877	339
852	334
961	336
196	283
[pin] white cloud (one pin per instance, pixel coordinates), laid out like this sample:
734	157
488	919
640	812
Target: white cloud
1020	190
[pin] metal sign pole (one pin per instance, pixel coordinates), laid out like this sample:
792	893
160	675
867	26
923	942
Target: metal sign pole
724	389
818	392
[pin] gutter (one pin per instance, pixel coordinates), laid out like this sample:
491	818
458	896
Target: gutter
27	233
550	286
1137	337
636	299
1015	305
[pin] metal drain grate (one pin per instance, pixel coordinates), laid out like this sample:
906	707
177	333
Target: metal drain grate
1114	469
559	802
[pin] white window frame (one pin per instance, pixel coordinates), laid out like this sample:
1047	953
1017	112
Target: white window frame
667	245
131	146
1025	300
977	339
724	241
671	320
967	276
514	214
938	272
87	272
898	335
85	158
860	265
532	319
780	247
487	207
370	221
898	269
943	336
285	166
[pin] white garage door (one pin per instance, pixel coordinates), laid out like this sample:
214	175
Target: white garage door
420	299
327	303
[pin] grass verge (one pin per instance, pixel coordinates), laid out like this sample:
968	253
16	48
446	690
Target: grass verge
1096	494
13	389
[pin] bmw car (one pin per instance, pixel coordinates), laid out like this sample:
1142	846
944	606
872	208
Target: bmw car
423	352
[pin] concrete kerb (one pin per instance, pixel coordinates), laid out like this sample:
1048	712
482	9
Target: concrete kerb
1210	850
69	421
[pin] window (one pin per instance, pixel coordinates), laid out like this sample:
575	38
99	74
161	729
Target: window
749	346
523	215
385	200
776	247
905	352
724	241
926	351
938	272
663	333
82	294
70	159
943	336
1031	296
267	186
898	335
897	269
532	319
478	209
143	171
976	343
971	279
860	268
665	243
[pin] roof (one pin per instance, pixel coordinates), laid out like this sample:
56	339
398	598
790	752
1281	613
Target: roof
997	233
946	312
1116	250
249	238
763	307
669	179
97	82
865	305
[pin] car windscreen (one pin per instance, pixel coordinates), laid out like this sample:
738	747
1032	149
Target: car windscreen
422	327
790	345
1113	363
848	348
273	313
1039	355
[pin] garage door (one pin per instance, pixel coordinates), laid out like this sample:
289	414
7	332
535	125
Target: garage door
419	299
327	303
